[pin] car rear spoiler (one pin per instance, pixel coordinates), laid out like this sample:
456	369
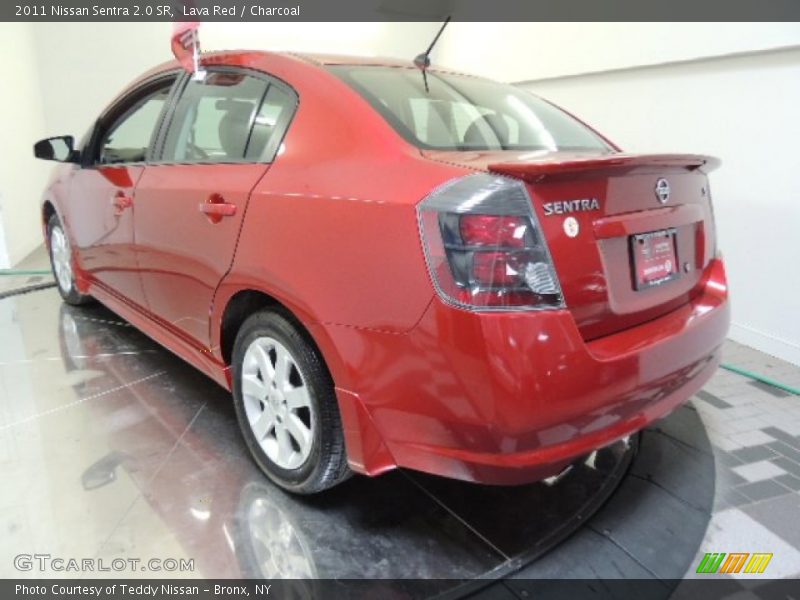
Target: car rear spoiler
614	163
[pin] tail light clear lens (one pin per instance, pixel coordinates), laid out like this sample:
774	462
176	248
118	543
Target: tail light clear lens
484	247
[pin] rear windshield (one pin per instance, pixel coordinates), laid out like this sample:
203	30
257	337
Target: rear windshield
466	113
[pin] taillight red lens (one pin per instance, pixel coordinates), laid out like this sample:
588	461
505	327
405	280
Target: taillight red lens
493	230
484	247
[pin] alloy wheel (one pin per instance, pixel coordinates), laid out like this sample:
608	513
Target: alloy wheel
277	403
62	258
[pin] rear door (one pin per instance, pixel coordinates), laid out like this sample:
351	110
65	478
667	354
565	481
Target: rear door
222	136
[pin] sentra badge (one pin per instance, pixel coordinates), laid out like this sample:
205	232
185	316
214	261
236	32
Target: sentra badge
565	207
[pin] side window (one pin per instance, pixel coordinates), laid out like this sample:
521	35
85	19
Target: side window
128	138
227	117
271	120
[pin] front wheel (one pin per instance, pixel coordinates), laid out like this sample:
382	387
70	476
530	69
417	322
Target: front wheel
62	264
286	405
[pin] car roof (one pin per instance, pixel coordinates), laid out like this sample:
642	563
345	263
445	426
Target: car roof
323	60
315	59
346	59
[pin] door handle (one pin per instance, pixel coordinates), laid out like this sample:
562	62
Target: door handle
121	201
215	208
222	210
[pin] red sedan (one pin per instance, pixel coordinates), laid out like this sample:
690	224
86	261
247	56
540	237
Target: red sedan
448	275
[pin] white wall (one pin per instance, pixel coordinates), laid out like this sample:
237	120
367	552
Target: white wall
84	65
532	51
22	178
730	90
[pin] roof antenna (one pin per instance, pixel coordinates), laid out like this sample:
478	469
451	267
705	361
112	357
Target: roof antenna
423	61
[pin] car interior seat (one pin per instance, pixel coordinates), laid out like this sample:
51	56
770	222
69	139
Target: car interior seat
487	131
234	127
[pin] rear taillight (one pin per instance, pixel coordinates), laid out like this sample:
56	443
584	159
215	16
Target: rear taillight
484	247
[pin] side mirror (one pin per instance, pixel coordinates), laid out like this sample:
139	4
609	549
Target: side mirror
59	148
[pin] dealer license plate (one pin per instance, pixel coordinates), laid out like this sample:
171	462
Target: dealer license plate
654	258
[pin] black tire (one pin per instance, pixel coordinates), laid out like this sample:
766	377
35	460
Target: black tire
326	463
69	292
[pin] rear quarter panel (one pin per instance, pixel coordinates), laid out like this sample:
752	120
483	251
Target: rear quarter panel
331	230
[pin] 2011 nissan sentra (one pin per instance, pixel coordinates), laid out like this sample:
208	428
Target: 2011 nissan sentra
435	272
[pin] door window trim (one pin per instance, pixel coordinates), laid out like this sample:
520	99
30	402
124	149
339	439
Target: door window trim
120	109
281	128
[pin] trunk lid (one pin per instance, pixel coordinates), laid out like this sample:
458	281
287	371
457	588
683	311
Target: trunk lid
612	199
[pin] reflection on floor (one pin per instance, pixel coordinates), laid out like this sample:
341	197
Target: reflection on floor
112	448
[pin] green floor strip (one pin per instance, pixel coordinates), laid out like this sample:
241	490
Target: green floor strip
22	273
762	379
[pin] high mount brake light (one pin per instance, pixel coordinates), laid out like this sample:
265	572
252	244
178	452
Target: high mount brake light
484	247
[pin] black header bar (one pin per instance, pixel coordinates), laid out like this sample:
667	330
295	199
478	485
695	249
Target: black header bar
400	10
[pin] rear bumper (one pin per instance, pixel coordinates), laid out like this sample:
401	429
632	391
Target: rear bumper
514	397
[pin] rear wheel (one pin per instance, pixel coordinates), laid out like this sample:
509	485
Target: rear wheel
286	405
61	263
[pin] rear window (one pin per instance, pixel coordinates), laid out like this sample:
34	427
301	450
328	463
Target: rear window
466	113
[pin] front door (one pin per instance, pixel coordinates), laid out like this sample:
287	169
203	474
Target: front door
102	195
190	204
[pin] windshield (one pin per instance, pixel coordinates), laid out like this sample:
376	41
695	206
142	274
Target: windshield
467	113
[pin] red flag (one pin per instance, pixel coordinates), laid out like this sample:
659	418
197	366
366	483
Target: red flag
186	44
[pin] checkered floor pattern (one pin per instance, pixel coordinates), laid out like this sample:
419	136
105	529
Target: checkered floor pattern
755	432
